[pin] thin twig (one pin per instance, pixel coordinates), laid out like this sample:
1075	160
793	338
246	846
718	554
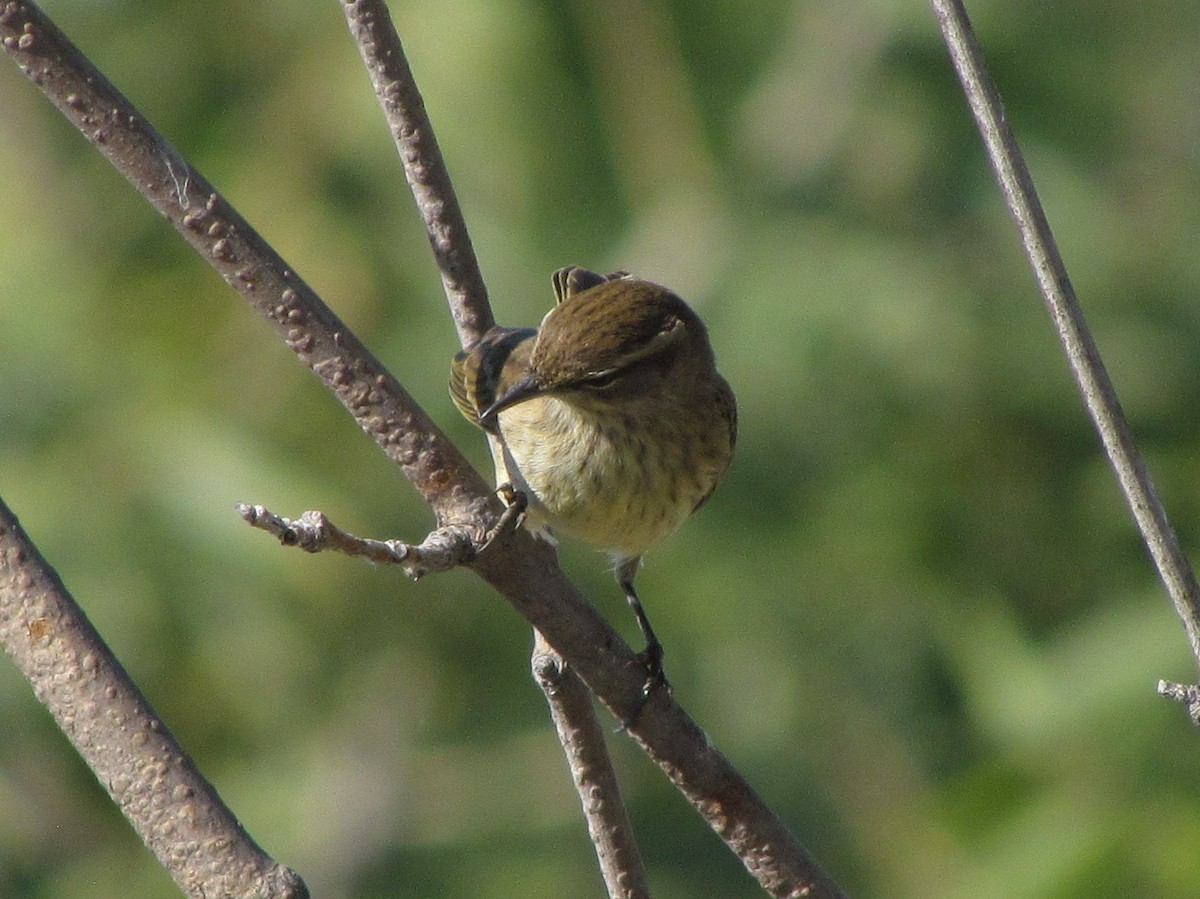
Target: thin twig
444	548
1094	384
424	167
525	571
313	532
175	811
1188	694
592	772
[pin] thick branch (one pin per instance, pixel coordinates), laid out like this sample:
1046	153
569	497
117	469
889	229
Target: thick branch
1090	375
175	811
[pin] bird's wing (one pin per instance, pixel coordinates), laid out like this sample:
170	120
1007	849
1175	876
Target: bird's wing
500	357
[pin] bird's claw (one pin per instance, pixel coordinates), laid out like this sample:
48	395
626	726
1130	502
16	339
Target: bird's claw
651	660
510	519
513	498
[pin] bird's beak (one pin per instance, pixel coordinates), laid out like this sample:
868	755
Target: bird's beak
522	390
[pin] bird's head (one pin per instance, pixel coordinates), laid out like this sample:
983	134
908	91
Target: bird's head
620	338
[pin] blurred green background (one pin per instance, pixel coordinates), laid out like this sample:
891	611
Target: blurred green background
916	615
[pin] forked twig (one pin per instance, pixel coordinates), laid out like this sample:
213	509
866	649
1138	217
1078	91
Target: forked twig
444	548
1086	365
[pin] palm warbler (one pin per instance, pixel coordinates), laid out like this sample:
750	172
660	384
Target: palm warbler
611	419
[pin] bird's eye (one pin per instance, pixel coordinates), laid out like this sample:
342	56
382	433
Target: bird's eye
602	381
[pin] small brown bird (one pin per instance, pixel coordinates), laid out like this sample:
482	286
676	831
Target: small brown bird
611	419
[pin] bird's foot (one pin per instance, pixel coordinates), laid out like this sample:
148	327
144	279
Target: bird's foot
651	661
513	516
512	497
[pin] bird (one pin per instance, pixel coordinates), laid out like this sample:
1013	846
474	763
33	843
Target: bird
610	419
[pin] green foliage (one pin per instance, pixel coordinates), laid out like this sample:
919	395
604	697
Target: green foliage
916	614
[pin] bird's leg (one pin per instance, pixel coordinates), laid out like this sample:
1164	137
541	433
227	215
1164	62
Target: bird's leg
652	656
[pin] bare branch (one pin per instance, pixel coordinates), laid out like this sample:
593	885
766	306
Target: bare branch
313	532
582	738
175	811
1090	375
444	548
1188	694
247	262
377	40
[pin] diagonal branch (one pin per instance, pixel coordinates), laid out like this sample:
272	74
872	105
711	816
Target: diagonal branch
524	571
373	32
175	811
592	772
380	405
1086	365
